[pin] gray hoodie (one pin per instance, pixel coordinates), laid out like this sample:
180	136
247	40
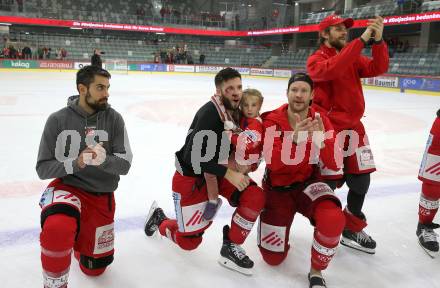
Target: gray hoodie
64	137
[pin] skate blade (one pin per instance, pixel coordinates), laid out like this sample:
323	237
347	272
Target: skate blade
354	245
152	208
430	253
225	262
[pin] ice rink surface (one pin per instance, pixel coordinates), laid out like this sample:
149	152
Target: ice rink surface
158	109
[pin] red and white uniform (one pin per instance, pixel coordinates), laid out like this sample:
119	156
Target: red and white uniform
250	141
429	174
430	168
292	188
338	93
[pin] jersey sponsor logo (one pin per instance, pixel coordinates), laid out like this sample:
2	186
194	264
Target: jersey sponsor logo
272	237
316	190
90	131
243	223
329	252
365	158
104	239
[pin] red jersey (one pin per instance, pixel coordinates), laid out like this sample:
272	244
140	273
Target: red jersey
281	174
337	84
430	168
253	131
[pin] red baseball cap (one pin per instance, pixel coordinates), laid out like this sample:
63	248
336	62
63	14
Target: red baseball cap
334	19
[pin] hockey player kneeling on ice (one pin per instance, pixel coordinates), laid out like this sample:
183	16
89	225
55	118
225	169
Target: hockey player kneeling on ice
296	170
202	152
85	147
429	198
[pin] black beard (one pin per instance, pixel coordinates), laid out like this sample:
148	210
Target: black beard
336	44
94	105
227	103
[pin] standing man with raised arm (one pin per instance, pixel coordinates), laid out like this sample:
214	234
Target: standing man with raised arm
336	69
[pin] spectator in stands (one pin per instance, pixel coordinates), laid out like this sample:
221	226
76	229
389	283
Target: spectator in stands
12	52
20	5
6	53
96	58
40	52
405	46
400	5
163	56
63	53
189	58
237	22
58	54
26	52
264	22
34	55
202	59
156	58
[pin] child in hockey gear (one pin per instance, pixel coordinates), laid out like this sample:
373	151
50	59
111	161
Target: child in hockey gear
336	68
189	187
300	187
252	129
429	198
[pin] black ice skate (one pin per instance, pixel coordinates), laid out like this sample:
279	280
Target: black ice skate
428	238
154	218
233	257
316	281
358	240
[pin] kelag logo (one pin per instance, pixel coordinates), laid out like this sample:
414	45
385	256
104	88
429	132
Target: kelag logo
20	64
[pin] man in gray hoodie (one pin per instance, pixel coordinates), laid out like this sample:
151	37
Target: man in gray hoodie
85	147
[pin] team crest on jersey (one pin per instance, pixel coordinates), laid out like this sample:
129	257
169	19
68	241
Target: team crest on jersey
47	197
90	131
251	136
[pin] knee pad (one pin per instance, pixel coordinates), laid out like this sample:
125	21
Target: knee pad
252	201
58	210
189	242
358	183
272	258
93	266
58	232
431	191
329	219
